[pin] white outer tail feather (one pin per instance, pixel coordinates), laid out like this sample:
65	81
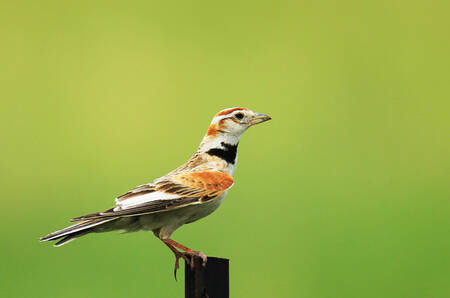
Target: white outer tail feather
73	229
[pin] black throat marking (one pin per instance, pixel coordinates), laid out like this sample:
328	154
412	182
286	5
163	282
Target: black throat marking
228	153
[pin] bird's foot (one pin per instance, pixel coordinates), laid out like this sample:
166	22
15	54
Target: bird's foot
187	254
188	257
195	253
179	255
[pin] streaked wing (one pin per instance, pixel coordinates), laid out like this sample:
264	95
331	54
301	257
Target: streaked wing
138	191
168	193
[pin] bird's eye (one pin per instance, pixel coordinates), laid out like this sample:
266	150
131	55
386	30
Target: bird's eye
239	116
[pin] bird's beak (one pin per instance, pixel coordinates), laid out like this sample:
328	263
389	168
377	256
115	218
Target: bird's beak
259	118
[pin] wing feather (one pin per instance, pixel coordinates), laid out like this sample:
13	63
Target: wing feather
168	193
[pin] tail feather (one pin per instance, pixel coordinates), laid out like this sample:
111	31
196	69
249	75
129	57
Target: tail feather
71	237
92	216
72	232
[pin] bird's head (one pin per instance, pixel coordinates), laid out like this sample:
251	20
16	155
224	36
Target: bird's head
223	135
234	121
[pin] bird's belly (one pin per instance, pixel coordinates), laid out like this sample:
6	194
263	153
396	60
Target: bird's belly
176	218
199	211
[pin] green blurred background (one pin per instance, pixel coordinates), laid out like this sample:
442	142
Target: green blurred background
345	193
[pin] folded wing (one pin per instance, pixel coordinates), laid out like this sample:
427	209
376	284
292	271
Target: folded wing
168	193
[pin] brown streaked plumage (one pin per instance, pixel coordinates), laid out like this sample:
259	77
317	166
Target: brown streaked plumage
188	193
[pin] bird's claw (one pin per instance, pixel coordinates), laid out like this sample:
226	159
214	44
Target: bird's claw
177	263
188	257
198	254
203	257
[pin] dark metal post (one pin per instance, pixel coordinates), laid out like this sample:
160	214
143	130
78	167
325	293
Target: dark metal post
211	281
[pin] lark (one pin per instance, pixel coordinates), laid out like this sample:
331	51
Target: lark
188	193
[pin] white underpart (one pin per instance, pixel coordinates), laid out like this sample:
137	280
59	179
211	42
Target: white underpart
142	199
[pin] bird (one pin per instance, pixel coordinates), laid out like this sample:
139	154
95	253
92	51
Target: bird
184	195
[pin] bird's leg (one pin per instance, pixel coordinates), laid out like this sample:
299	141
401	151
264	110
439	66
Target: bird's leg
188	251
178	255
